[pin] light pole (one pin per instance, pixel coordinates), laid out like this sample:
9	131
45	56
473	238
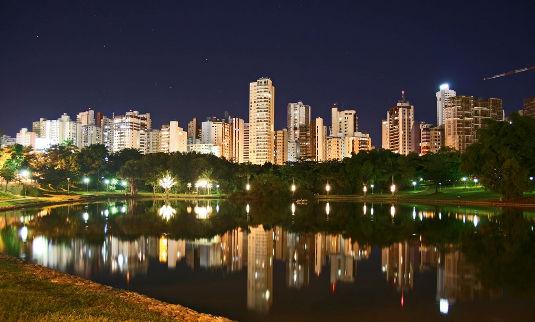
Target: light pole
189	187
476	180
86	181
107	183
392	188
413	185
464	179
68	185
364	190
372	186
328	188
293	187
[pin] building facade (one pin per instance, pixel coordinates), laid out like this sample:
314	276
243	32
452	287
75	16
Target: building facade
261	121
299	131
400	128
443	95
281	146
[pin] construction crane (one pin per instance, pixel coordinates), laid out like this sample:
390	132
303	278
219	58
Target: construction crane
512	72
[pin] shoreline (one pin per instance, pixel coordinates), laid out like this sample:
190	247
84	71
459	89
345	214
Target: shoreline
404	199
44	281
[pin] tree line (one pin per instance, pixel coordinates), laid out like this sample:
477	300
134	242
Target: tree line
503	160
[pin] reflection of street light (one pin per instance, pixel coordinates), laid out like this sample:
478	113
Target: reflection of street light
392	211
327	208
86	181
166	212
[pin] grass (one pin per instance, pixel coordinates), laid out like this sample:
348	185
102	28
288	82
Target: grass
30	292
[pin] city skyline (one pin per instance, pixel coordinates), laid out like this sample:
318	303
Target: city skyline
99	55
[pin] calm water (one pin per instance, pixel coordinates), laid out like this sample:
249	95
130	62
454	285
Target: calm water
316	262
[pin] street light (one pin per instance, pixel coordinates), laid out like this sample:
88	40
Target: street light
328	188
364	190
393	188
413	185
476	180
247	186
86	181
68	186
107	183
464	179
372	186
293	187
189	187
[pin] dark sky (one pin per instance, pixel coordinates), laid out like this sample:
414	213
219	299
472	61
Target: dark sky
179	59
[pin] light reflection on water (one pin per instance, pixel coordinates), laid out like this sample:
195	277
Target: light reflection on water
307	257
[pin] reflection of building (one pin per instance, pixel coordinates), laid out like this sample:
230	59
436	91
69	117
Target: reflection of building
399	262
234	244
299	263
259	269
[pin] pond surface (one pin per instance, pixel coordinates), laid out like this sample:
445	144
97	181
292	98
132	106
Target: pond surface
315	262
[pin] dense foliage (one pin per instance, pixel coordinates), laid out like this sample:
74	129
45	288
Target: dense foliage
503	159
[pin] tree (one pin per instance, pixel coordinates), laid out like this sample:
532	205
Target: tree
504	156
13	159
92	161
131	171
57	166
441	167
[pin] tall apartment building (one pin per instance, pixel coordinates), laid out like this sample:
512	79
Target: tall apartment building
90	132
261	121
172	138
299	131
385	140
528	108
194	131
425	138
319	137
245	142
400	127
154	141
237	127
335	147
464	116
281	147
53	132
443	95
362	142
26	138
343	122
131	131
218	132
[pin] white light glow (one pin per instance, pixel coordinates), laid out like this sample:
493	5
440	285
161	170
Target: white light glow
444	87
444	306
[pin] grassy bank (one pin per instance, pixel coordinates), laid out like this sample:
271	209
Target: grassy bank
30	292
451	195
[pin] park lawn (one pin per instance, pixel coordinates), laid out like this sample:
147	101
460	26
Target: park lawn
30	292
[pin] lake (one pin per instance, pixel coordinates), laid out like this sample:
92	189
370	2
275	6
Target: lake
287	262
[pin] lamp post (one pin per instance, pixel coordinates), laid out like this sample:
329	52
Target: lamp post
476	180
107	183
328	188
189	187
372	186
364	190
293	187
69	186
86	181
413	185
464	179
392	188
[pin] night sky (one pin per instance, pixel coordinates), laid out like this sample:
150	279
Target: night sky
179	59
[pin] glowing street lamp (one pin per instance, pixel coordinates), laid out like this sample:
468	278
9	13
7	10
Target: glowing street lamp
464	179
364	190
414	185
189	186
69	186
293	187
167	182
107	183
372	186
392	188
476	180
248	186
86	181
328	188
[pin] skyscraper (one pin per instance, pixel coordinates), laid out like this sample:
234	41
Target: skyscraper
320	140
529	107
298	125
238	133
194	131
343	122
281	147
245	142
172	138
465	115
131	131
401	128
261	121
218	132
443	95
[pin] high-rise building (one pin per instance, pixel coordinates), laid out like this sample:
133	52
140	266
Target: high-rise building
6	140
261	121
362	142
194	131
385	140
245	142
281	147
218	132
237	139
173	138
443	95
425	138
106	124
154	141
401	128
86	117
437	139
26	138
53	132
334	148
465	115
299	131
130	131
319	140
343	122
528	108
90	131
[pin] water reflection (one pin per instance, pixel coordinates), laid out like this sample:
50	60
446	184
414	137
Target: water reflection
409	242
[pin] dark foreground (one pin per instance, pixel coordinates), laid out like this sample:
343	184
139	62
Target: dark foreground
273	262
